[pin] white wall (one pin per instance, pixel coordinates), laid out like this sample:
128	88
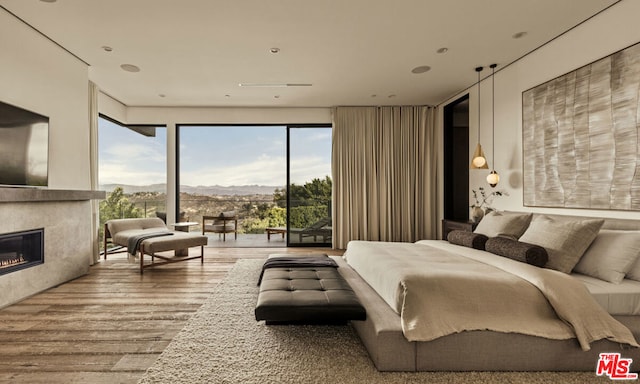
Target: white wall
37	75
601	36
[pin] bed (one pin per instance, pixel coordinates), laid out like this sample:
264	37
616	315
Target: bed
437	306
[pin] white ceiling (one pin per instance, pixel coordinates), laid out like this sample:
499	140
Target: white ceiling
196	52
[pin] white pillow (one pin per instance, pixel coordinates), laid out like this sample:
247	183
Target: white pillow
503	224
564	240
611	255
634	271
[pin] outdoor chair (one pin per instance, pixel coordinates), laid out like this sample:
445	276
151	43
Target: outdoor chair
226	222
321	228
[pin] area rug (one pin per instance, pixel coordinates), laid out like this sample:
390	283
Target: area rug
222	343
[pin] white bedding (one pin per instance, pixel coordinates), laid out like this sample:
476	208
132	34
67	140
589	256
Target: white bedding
439	289
617	299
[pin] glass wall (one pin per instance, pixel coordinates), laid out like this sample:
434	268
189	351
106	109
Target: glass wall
132	169
240	169
243	169
309	191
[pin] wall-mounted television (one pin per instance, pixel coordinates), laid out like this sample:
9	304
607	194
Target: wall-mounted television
24	147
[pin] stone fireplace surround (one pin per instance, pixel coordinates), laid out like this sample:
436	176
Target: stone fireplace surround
65	216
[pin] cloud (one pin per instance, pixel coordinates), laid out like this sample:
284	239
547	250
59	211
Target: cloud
133	164
122	174
265	170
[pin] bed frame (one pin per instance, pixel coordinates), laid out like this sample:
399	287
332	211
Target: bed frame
381	333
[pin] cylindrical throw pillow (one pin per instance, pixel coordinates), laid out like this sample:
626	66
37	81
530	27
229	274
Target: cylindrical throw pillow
517	250
467	239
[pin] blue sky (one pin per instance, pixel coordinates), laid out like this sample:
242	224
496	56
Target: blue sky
127	157
215	155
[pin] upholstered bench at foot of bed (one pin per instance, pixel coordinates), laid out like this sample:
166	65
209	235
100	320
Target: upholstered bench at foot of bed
176	241
306	295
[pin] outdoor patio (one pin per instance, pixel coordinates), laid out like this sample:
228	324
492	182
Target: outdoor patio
252	240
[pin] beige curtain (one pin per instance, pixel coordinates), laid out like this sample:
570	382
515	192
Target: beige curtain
384	164
93	145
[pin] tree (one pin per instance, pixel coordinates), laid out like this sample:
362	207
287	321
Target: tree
312	193
117	206
308	203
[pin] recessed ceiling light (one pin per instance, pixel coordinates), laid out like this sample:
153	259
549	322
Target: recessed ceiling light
107	48
443	50
374	95
274	50
391	96
274	85
48	1
519	35
421	69
130	68
227	95
276	96
162	95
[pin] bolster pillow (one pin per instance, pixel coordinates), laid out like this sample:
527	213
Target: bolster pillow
467	239
517	250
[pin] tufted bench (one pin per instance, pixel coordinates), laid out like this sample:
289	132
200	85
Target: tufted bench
306	295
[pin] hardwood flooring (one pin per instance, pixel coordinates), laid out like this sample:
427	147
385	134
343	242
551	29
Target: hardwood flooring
110	325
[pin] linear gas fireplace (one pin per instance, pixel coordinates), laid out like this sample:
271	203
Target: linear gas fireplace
20	250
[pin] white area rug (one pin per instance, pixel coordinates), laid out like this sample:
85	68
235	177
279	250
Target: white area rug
222	343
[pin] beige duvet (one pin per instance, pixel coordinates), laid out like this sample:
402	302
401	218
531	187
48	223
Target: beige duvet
440	289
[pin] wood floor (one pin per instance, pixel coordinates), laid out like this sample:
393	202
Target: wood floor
110	325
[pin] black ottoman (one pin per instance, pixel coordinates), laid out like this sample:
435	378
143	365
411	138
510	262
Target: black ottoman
306	295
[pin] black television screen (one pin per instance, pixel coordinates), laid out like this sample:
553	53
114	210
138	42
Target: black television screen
24	147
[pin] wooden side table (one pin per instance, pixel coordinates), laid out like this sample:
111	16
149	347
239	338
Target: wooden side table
275	230
450	225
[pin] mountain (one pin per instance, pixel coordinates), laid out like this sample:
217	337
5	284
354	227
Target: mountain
216	190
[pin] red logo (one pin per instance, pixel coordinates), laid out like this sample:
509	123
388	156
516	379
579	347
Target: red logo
614	366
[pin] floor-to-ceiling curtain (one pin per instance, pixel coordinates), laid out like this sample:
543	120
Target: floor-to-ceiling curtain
93	145
384	164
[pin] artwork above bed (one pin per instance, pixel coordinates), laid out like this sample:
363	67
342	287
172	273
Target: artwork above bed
581	137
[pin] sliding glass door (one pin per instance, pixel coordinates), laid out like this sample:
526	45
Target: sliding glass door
274	178
309	185
234	170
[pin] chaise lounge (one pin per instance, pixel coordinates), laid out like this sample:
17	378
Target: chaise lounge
149	236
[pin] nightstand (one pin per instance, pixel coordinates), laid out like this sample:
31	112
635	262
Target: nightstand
450	225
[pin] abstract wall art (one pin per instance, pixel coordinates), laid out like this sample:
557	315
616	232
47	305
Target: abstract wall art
581	137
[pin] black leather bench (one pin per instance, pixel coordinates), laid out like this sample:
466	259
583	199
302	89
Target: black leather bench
306	295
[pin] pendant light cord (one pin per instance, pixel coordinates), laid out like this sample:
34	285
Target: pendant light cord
478	69
493	115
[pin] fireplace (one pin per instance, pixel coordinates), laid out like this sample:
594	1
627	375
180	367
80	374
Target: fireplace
20	250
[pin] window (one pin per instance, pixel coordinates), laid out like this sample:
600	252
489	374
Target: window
243	168
309	196
132	169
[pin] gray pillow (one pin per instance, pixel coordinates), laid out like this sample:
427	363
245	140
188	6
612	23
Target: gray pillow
565	240
503	224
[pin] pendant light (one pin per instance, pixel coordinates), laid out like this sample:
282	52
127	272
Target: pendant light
493	177
479	160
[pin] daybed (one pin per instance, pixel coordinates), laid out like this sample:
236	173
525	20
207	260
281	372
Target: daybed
148	236
442	343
